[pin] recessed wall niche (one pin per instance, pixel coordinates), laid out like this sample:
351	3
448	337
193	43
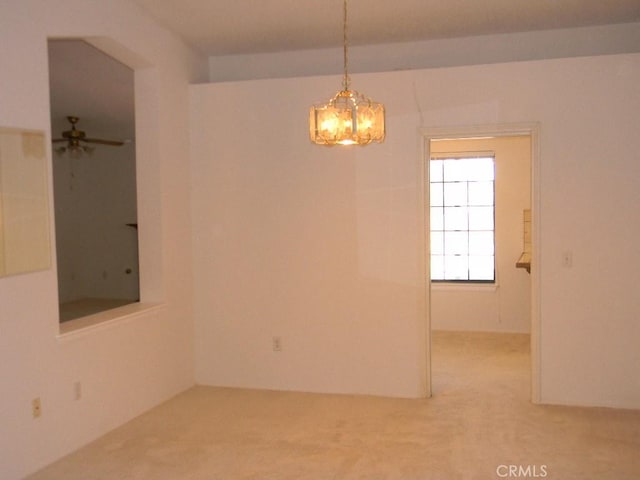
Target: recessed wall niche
94	176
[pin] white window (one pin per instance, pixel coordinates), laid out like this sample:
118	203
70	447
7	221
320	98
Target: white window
462	191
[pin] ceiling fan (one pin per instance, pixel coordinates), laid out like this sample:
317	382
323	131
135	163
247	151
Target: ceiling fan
74	137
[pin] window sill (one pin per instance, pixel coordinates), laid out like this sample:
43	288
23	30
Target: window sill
469	287
106	319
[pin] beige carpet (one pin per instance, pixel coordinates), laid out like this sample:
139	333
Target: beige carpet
479	425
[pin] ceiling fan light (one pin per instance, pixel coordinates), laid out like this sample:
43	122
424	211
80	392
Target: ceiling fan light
75	151
76	139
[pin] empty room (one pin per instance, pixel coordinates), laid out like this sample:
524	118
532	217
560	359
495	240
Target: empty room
382	240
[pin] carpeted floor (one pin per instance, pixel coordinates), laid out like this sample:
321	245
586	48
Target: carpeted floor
480	425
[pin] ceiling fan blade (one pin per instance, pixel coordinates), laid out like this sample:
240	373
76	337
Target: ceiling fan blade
114	143
57	140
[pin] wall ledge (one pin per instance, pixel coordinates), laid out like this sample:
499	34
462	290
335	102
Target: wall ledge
107	319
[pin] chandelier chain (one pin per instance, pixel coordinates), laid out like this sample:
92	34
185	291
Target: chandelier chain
346	80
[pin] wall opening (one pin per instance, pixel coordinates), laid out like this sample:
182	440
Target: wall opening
94	174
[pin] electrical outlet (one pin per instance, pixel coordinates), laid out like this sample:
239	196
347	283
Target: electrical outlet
277	344
36	407
77	390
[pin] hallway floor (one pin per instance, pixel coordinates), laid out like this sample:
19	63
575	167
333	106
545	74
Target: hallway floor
479	424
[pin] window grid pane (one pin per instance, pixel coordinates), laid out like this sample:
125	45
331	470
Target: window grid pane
462	219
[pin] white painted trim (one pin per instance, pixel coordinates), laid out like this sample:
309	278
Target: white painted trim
83	326
424	294
499	130
474	287
536	321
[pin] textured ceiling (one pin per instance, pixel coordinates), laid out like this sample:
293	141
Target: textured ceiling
253	26
89	84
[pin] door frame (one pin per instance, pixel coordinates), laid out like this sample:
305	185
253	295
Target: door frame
477	131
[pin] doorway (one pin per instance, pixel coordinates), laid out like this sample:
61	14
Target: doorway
509	303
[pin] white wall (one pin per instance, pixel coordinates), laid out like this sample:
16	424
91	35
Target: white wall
315	245
505	306
446	52
133	364
322	246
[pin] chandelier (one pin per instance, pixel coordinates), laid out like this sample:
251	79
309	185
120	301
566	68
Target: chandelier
349	118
